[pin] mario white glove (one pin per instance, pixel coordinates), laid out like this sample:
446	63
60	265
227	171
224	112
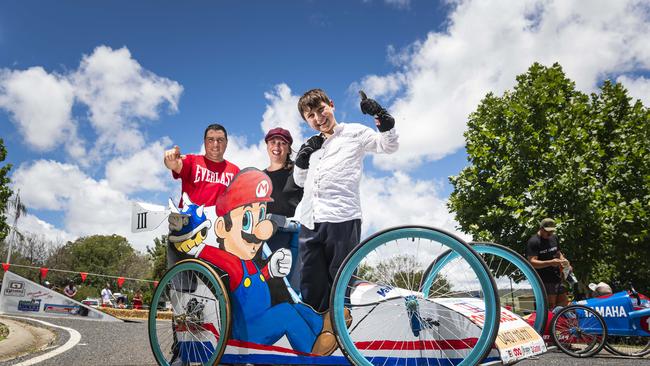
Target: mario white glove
280	263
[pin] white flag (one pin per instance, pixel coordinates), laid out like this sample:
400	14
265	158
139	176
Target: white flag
147	217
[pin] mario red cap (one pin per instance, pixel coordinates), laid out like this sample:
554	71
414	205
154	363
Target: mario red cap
249	186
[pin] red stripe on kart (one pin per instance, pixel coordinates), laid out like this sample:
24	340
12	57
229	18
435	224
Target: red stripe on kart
235	343
453	344
251	345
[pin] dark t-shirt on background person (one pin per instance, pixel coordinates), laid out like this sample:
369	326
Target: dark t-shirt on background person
286	194
545	249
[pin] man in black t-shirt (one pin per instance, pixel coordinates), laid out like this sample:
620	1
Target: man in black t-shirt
543	252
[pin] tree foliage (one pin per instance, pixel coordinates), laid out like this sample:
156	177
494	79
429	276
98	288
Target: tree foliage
104	254
158	257
403	271
5	192
546	149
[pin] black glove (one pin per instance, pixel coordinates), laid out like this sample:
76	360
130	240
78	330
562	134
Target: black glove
314	143
371	107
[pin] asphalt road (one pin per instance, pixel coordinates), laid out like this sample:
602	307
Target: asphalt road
102	343
557	358
126	343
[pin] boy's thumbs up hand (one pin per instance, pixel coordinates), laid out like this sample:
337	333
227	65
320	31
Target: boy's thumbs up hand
383	119
369	106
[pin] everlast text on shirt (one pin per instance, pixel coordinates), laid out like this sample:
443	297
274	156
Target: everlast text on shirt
205	175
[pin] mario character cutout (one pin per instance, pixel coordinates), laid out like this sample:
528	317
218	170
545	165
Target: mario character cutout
241	229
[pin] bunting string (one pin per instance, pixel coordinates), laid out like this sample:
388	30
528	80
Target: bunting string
82	274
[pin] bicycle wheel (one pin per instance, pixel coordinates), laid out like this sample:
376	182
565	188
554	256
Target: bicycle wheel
579	331
516	280
631	346
197	327
393	321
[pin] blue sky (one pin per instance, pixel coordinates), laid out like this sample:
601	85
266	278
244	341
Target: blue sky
91	94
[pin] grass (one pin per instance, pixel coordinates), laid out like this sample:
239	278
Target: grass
4	331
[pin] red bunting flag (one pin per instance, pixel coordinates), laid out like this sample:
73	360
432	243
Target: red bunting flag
44	272
5	266
155	284
120	281
83	276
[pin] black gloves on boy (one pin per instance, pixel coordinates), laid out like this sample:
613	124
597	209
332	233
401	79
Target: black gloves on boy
371	107
314	143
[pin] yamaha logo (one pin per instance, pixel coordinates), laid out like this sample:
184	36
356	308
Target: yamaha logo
262	189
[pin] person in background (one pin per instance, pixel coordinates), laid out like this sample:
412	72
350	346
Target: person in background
544	254
107	295
600	289
137	299
286	196
70	290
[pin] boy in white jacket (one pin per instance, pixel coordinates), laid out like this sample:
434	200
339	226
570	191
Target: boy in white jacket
329	167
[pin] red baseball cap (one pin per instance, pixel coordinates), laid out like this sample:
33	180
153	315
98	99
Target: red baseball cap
250	185
279	132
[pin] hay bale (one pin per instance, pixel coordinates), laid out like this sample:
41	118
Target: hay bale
135	313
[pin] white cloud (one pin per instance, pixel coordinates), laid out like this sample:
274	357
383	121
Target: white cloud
40	105
89	206
118	93
32	224
402	200
244	155
47	184
141	171
281	111
381	86
638	88
442	78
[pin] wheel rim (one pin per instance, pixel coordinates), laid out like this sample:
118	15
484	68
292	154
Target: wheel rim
579	331
413	312
193	330
515	278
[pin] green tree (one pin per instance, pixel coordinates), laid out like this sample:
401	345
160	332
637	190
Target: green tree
546	149
403	271
5	192
158	257
103	254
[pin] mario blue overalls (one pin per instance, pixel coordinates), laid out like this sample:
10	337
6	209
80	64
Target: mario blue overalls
256	321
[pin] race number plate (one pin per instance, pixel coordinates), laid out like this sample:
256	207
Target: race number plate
516	339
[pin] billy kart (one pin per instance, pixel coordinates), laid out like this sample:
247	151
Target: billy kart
620	323
402	311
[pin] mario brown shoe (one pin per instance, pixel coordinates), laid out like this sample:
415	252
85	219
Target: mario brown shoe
325	344
327	320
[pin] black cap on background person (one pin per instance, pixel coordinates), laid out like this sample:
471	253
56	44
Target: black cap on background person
548	224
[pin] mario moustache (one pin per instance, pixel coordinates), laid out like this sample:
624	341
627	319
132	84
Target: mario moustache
250	238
